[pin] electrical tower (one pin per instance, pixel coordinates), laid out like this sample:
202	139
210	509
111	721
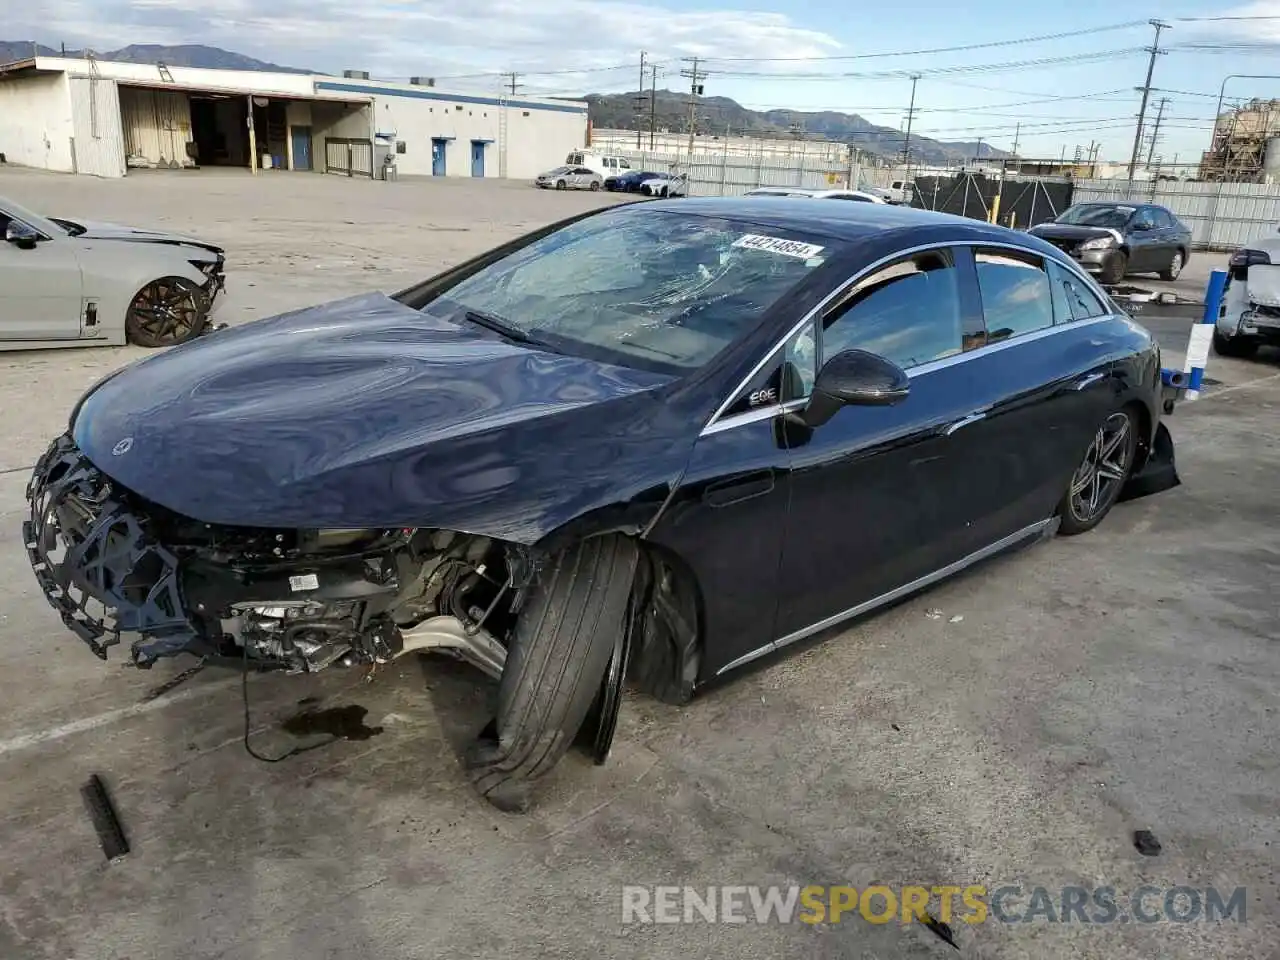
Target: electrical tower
906	143
1155	130
653	103
696	76
639	100
1155	51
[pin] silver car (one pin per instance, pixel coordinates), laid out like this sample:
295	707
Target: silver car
67	283
569	178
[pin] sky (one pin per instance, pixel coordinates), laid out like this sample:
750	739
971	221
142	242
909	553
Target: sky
1049	92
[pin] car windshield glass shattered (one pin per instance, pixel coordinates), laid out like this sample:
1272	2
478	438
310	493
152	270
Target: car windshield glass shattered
1096	215
658	290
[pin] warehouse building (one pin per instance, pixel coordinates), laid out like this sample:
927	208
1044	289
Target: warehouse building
109	119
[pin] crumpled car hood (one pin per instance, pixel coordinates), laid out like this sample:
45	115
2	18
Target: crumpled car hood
367	413
98	230
1070	231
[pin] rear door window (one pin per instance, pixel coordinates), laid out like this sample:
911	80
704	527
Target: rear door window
1017	297
1073	300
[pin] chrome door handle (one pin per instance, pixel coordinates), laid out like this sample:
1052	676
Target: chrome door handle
1086	382
960	424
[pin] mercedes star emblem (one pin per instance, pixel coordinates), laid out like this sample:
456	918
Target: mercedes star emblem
123	447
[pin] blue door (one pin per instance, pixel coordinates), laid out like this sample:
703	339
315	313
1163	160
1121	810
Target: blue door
301	147
477	158
437	157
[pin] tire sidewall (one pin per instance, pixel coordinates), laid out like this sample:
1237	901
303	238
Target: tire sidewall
200	300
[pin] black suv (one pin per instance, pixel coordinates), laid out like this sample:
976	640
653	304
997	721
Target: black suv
1114	240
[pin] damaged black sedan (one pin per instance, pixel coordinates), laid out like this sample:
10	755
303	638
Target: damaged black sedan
651	444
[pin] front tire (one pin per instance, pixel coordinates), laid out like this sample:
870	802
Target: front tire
562	643
1174	268
561	185
1233	346
1116	268
166	312
1097	482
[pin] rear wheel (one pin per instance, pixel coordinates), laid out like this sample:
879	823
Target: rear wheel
1115	268
1233	346
595	185
1097	482
563	641
166	312
1175	266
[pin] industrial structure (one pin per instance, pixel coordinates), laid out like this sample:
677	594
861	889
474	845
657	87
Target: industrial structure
1246	145
108	118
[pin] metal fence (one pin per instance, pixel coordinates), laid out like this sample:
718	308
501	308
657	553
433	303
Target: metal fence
351	158
1024	201
732	175
1222	216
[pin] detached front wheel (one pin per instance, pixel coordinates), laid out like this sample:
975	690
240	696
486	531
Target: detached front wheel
166	312
1097	482
561	645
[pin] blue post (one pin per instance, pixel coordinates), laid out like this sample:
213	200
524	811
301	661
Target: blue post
1202	333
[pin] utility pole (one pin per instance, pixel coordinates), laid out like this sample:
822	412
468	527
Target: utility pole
906	142
1155	51
1155	130
696	77
1017	135
653	104
640	102
513	81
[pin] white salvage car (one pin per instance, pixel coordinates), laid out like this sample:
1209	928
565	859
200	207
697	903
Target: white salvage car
67	283
666	185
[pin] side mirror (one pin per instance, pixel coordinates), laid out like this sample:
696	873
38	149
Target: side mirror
854	377
21	235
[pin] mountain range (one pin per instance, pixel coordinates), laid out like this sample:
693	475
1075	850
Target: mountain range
607	110
717	115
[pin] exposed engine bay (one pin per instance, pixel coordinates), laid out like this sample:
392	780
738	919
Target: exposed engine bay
290	600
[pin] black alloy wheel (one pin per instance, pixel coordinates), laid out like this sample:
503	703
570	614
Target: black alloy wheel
166	312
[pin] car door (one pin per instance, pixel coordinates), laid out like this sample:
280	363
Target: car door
1168	235
582	178
877	492
728	517
1042	383
1144	241
40	287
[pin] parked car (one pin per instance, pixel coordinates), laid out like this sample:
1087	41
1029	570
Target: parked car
630	182
665	185
569	178
75	282
653	442
901	192
1251	315
836	194
1114	240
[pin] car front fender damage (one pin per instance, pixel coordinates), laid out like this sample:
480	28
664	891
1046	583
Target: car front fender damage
298	601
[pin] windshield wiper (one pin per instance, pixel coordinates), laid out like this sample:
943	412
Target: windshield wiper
505	328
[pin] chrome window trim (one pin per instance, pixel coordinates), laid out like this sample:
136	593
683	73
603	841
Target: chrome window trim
715	424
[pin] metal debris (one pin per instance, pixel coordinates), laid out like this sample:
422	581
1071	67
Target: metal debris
105	822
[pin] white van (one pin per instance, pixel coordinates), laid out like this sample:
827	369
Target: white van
603	164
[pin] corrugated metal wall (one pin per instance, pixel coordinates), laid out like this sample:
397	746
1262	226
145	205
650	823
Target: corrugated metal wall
731	176
157	125
97	138
1222	216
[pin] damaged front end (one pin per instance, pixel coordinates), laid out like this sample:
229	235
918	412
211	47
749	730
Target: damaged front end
111	562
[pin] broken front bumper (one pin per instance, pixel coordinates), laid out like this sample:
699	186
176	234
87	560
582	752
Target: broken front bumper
96	564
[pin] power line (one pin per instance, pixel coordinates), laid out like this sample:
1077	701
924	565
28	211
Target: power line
905	74
1128	25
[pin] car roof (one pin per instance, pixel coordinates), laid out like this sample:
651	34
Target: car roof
842	221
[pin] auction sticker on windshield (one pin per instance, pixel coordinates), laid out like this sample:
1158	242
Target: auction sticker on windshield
788	248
